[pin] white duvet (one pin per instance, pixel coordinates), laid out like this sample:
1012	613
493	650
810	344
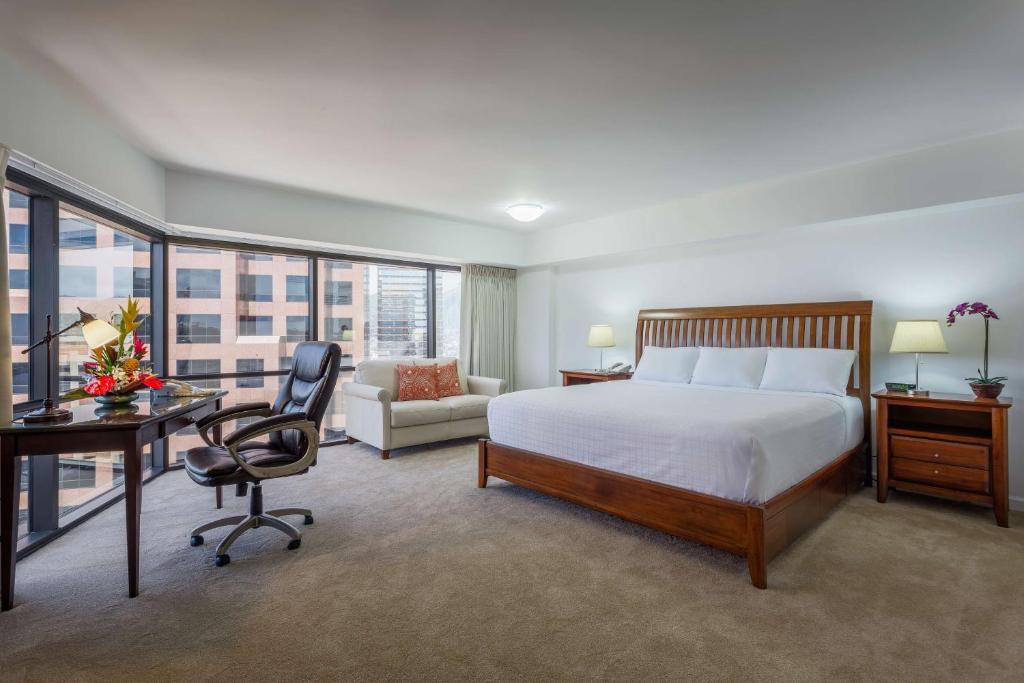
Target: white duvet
747	445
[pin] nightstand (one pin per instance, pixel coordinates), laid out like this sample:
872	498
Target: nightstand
573	377
949	445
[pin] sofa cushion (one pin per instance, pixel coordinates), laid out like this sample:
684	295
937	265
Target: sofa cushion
417	382
412	413
467	406
380	372
448	380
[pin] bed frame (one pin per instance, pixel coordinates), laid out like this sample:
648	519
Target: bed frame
757	532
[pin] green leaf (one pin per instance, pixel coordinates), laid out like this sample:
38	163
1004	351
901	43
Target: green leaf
75	394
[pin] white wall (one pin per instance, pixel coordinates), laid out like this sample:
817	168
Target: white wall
195	199
913	265
966	170
50	125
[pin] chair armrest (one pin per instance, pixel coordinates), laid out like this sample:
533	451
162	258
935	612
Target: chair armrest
368	391
270	425
486	386
205	424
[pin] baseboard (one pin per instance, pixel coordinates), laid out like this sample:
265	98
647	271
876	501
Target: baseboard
1017	503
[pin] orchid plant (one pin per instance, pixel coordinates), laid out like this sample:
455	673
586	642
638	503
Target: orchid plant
987	314
117	367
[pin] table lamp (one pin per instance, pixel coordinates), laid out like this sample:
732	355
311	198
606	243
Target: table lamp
917	337
97	333
601	337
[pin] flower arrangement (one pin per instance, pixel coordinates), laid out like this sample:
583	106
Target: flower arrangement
116	369
989	386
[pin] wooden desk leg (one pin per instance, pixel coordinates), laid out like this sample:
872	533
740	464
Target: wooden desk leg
133	510
10	479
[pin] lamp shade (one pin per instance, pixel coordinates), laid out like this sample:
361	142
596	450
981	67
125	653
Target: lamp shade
99	333
601	336
918	336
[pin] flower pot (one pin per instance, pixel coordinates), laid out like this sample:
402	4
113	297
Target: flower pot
982	390
117	399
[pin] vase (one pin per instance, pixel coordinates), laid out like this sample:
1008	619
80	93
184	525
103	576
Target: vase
117	399
983	390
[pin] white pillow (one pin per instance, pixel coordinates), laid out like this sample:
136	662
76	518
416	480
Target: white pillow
663	364
822	371
730	367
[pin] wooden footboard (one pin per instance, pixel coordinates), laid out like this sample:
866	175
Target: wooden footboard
757	532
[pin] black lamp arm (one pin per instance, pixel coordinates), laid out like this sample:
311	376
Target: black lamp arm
50	336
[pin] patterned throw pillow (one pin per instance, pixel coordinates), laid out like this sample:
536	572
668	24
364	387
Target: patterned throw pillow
417	382
448	379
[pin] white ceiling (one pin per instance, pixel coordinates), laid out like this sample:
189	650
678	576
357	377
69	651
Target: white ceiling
590	107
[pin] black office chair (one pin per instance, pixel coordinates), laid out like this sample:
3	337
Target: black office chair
293	426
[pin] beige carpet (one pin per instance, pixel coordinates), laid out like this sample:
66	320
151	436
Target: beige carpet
412	573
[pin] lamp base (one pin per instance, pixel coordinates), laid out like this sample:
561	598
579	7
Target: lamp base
917	392
44	415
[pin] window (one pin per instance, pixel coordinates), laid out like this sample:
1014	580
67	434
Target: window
255	256
296	259
447	304
19	329
122	239
17	235
338	329
18	278
186	249
131	281
78	281
90	260
395	311
198	328
77	232
297	328
16	206
198	283
22	377
338	293
285	363
255	326
255	287
197	366
249	365
297	288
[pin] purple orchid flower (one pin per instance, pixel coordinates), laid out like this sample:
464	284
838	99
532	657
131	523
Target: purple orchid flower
982	309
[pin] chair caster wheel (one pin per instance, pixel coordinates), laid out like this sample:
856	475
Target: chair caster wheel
294	543
196	540
308	520
222	560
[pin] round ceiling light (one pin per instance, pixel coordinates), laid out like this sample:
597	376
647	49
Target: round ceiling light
525	213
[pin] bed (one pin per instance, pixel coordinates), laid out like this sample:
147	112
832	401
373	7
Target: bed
746	470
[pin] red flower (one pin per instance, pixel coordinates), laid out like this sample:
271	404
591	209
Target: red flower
100	385
151	381
138	347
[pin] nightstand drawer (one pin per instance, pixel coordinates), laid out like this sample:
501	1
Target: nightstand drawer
946	476
940	452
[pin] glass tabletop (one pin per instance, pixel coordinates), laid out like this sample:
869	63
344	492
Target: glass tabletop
88	413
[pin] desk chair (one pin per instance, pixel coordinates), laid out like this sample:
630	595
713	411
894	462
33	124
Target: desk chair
293	427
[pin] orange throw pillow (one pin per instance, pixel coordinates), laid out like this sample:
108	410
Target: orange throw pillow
448	379
417	382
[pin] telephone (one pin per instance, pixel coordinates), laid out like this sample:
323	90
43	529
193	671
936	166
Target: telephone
620	367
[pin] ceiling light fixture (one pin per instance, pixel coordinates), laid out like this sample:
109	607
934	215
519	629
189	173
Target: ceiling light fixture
525	213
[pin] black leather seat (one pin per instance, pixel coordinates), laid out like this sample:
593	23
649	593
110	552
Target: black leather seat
292	428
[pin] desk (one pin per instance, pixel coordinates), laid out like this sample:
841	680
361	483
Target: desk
90	432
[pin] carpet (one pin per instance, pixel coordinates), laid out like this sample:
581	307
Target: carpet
412	573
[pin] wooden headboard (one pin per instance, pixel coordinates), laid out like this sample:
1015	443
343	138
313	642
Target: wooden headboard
827	325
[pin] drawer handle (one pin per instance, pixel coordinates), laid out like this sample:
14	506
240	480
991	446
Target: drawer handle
935	455
935	472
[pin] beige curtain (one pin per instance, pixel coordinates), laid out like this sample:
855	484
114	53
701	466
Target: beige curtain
488	324
6	379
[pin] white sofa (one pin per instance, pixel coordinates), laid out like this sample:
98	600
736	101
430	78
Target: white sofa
374	416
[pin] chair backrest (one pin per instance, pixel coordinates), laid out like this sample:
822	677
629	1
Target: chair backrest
307	389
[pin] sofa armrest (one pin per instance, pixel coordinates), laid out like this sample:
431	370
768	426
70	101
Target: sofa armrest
366	391
486	386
